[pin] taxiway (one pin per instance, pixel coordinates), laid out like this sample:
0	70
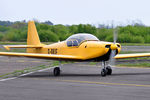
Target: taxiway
79	81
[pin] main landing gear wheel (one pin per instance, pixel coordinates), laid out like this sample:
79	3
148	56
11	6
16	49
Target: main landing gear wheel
106	69
109	70
56	71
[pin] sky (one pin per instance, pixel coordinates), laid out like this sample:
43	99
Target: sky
77	11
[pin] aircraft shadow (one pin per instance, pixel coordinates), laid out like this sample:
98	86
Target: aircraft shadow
47	74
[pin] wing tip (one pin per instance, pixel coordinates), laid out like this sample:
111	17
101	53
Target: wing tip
7	48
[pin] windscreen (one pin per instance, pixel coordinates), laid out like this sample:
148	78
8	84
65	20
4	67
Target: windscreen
76	39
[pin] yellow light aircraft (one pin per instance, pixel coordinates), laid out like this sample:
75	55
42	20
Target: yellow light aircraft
78	47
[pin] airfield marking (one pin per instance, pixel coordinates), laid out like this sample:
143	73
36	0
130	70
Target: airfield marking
8	79
104	83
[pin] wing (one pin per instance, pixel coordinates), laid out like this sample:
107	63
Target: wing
22	46
43	56
135	55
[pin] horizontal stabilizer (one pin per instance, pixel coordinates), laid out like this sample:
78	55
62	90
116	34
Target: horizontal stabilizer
22	46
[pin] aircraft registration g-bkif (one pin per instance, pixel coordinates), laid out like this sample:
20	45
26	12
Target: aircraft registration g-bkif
78	47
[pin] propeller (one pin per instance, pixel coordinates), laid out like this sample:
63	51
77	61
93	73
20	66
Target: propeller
113	47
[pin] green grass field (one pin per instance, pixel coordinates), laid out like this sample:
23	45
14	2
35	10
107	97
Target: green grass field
143	64
135	44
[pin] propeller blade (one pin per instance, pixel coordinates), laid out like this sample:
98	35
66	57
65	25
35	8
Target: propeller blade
115	35
112	60
113	52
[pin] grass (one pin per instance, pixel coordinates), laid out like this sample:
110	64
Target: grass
140	58
128	52
13	50
12	43
143	64
93	63
31	69
135	44
26	70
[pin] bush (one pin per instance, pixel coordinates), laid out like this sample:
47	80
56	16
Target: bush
147	39
1	36
137	39
53	33
124	38
46	36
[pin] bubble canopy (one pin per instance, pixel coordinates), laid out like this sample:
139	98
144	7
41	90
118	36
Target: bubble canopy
76	39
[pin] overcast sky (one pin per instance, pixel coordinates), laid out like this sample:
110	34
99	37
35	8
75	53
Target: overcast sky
76	11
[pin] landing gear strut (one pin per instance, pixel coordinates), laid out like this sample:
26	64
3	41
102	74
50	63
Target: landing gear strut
106	70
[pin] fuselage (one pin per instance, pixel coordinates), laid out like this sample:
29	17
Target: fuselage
88	50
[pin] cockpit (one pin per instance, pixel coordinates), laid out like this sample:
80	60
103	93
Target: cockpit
77	39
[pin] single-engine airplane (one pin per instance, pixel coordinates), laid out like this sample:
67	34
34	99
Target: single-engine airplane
78	47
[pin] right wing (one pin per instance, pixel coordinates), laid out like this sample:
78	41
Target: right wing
135	55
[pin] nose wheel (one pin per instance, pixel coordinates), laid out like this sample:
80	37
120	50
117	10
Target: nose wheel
107	70
104	72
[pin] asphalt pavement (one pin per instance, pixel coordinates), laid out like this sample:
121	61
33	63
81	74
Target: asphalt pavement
79	81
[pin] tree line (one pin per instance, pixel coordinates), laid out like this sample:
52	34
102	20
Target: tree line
52	33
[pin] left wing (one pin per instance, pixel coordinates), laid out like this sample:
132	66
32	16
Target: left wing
135	55
43	56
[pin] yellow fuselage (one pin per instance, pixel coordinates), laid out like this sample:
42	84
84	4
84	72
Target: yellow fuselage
87	50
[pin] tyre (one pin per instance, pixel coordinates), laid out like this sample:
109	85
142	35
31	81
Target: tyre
109	70
104	72
56	71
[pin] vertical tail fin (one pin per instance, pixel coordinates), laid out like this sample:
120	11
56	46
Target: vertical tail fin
32	36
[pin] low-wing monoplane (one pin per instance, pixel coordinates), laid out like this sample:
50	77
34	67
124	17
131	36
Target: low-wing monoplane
78	47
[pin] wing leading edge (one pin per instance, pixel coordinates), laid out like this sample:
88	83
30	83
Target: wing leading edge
43	56
135	55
